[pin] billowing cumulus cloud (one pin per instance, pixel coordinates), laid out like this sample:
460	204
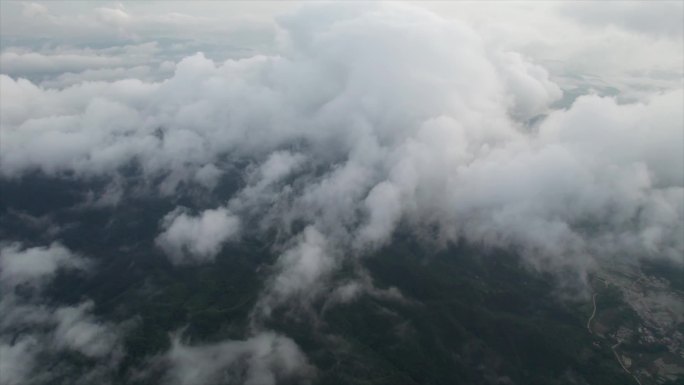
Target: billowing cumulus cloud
361	120
404	117
192	239
301	269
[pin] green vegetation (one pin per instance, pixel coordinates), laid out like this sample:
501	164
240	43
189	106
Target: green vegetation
471	316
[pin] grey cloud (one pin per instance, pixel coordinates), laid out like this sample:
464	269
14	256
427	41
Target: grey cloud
264	181
587	44
657	18
278	165
32	328
369	118
118	73
301	269
102	24
28	63
383	204
77	329
264	359
529	83
194	239
34	10
63	66
16	360
208	175
366	119
362	284
35	265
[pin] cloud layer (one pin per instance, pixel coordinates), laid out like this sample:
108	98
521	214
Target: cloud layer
404	118
363	120
32	328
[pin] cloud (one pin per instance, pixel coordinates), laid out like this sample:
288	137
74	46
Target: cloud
48	332
661	18
37	63
278	166
300	269
370	118
365	120
264	359
77	329
360	120
586	44
34	10
43	26
33	328
64	66
362	284
35	265
16	361
530	84
383	204
190	239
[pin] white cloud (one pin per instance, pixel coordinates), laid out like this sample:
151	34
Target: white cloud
35	265
195	239
31	331
34	10
37	63
208	175
370	117
77	329
264	359
230	29
659	18
63	65
278	165
354	120
301	270
383	204
529	83
586	43
361	285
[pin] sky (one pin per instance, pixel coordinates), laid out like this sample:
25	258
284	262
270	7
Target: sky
555	129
